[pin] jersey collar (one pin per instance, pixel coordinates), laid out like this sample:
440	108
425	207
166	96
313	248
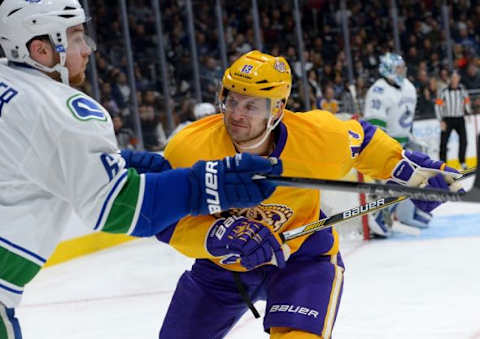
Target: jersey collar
281	135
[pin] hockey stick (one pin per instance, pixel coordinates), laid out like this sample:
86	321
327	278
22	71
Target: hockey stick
387	190
369	207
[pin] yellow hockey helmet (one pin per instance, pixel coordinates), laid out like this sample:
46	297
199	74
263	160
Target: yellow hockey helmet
260	75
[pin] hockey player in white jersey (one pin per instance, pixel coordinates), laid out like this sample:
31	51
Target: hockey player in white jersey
390	104
391	100
59	156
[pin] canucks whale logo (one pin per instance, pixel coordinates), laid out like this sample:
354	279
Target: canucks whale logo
84	108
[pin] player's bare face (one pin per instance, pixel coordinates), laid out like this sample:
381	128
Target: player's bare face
78	52
245	117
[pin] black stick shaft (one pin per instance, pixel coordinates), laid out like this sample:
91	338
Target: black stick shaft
351	213
386	190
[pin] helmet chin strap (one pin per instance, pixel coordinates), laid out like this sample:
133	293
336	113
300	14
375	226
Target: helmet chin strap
270	127
60	68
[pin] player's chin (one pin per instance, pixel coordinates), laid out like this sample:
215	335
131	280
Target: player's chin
237	134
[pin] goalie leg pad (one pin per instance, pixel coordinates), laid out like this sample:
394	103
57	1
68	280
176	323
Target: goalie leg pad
407	213
380	223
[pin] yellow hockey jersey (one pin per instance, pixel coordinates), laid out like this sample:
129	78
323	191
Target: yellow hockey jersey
315	144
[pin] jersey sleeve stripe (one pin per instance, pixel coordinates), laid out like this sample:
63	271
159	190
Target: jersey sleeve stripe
139	204
378	122
10	289
10	246
16	269
368	132
108	201
124	207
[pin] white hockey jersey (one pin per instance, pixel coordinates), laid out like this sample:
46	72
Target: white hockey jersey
58	155
391	108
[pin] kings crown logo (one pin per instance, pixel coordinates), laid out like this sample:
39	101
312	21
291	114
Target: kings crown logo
268	214
280	66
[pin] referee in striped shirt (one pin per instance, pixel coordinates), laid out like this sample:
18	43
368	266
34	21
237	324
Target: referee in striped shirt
451	106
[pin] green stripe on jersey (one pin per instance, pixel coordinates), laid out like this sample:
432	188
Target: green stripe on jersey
377	122
402	140
3	326
123	208
16	269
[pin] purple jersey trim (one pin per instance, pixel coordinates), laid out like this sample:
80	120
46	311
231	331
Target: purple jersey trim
369	130
282	135
166	235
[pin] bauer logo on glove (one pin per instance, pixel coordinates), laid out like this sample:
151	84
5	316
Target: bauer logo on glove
252	242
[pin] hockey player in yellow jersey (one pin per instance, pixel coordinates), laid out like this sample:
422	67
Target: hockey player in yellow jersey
239	258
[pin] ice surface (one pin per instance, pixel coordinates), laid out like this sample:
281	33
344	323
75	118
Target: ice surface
425	286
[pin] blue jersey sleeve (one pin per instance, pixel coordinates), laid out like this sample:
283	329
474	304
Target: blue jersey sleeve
165	201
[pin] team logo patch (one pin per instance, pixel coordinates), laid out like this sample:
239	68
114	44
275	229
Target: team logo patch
280	66
268	214
84	108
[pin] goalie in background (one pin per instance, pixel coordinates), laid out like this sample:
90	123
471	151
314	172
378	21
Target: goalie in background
390	105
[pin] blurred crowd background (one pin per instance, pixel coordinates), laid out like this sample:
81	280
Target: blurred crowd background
421	31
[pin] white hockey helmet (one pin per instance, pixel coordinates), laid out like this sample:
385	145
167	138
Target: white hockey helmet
393	68
23	20
203	109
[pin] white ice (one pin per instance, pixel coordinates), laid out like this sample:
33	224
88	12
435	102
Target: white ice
405	287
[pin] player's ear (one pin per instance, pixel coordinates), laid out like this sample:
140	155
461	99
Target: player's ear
41	51
279	107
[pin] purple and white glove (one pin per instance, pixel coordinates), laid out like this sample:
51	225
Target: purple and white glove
253	243
418	170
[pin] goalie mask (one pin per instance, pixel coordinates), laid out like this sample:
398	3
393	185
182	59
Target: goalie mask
261	75
23	20
393	68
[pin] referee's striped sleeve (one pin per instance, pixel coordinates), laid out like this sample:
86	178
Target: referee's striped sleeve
452	103
466	101
440	104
